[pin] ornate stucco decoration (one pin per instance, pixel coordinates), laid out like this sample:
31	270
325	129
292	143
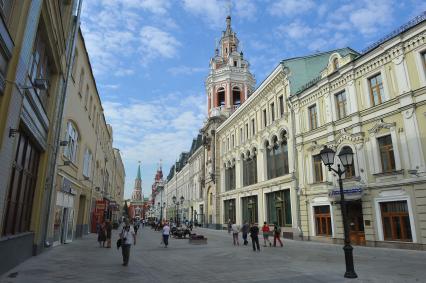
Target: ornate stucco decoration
381	125
354	138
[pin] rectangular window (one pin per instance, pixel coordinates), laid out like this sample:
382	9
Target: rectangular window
265	120
22	186
233	141
253	127
281	105
247	131
396	221
227	144
74	65
313	119
241	136
87	163
386	153
250	171
279	208
424	59
272	112
249	209
317	168
229	211
341	105
323	220
376	89
230	178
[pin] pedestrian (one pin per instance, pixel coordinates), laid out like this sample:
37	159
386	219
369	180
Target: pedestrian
266	231
244	230
128	237
235	231
229	226
108	228
254	234
166	234
277	232
101	235
136	227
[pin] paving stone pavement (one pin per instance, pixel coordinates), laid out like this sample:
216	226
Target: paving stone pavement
218	261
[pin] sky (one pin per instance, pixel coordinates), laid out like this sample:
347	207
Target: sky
151	57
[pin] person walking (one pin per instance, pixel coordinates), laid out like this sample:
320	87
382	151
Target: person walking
128	237
235	230
166	234
266	231
244	230
229	226
136	227
254	234
277	232
108	228
101	235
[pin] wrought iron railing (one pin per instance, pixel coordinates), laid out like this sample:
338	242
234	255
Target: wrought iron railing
420	18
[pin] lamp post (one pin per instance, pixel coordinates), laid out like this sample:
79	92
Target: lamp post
176	207
181	208
346	158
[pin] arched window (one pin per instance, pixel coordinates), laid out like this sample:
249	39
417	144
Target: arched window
72	138
335	64
230	177
221	97
350	170
277	157
250	168
236	96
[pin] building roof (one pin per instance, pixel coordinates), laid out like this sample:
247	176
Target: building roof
307	69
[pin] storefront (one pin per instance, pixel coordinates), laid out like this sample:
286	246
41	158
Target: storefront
278	208
249	209
229	211
63	225
99	214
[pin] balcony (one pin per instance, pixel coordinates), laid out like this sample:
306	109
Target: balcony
223	111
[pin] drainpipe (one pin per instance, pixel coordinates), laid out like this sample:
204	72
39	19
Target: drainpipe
52	166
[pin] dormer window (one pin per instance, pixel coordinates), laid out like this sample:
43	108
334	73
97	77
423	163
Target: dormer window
335	64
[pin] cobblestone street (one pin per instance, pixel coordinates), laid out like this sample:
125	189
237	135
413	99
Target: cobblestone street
218	261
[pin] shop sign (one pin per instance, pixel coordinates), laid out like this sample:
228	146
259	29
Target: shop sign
353	193
100	205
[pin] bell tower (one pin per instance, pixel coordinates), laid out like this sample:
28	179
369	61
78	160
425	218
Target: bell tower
230	81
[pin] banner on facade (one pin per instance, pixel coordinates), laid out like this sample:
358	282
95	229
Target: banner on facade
353	193
100	205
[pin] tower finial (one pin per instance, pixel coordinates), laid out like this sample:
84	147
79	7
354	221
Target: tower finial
228	18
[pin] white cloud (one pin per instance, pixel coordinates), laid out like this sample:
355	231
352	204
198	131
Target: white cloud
245	9
112	27
157	43
295	30
290	8
213	12
185	70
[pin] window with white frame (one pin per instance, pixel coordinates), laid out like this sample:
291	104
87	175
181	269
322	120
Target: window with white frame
72	146
375	85
313	117
387	156
341	104
87	162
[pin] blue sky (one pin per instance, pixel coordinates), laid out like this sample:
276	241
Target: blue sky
150	58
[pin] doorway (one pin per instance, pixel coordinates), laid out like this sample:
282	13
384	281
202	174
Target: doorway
356	223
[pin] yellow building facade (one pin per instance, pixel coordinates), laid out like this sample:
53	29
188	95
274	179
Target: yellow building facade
90	171
373	104
36	39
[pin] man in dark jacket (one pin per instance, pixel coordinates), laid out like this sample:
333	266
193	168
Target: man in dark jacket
245	230
254	234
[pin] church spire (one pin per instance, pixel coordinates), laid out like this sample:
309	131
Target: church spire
138	176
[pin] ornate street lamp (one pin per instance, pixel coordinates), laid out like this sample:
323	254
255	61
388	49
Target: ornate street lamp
182	199
346	158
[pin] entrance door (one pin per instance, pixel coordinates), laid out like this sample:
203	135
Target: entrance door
64	225
356	223
70	225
